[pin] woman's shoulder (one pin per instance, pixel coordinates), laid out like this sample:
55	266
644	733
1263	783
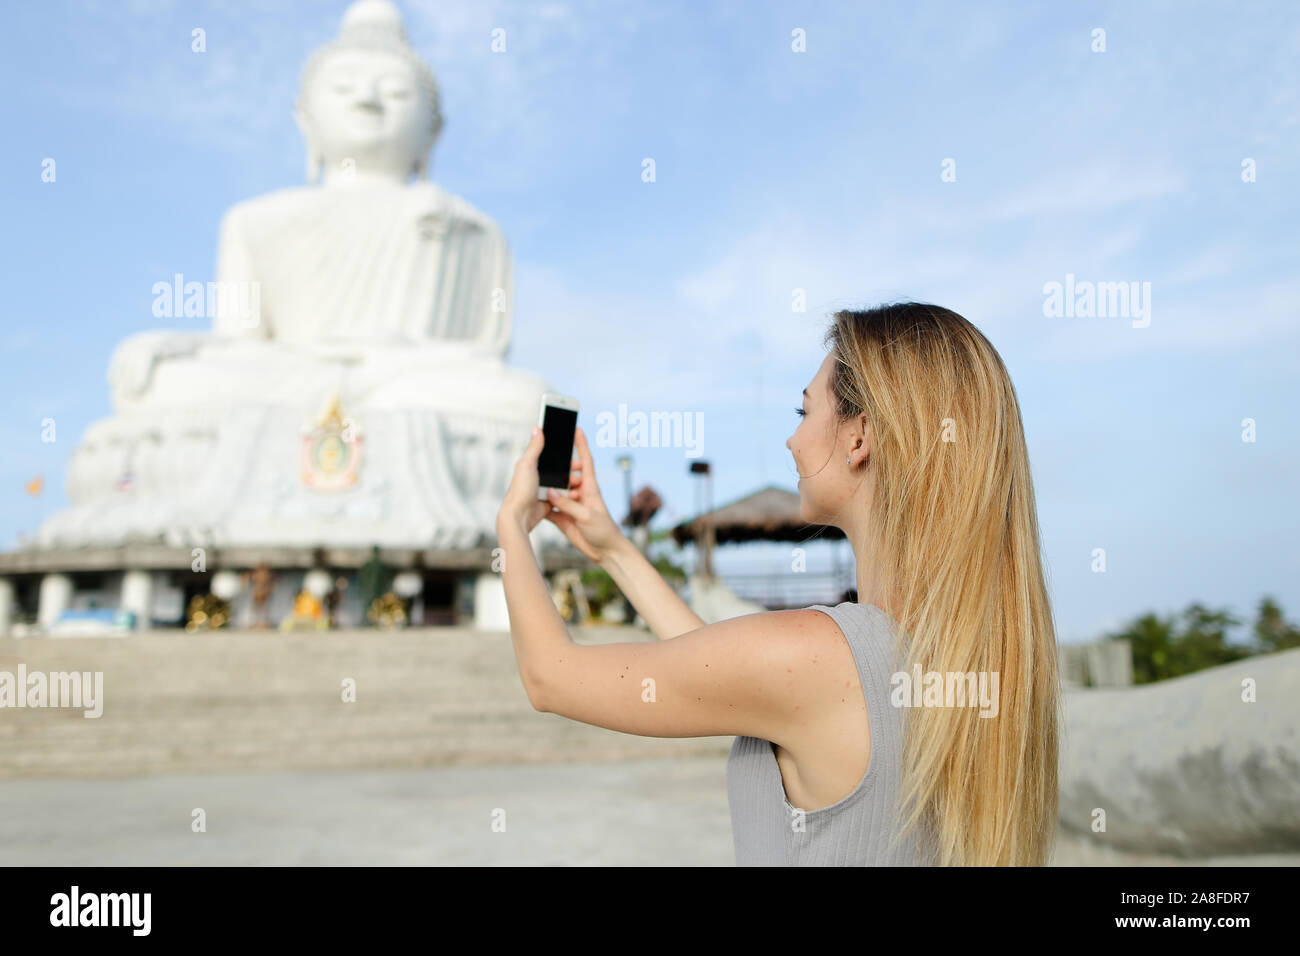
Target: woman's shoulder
799	629
810	649
826	621
812	645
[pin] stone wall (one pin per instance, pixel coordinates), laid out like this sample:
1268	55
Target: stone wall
1191	766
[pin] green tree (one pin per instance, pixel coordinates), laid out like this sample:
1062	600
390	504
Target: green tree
1272	632
1165	647
673	573
1150	638
1203	640
601	589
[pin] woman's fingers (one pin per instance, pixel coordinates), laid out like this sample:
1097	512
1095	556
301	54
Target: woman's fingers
584	458
561	521
570	507
566	524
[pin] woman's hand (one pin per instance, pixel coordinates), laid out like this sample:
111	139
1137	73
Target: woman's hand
582	516
521	507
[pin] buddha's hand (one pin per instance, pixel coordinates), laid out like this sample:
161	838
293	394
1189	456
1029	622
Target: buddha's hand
130	370
582	516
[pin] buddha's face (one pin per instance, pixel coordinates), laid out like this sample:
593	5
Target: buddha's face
368	107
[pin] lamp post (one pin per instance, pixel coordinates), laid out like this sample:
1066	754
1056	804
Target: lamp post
704	534
625	463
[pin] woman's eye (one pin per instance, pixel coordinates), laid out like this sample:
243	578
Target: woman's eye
799	411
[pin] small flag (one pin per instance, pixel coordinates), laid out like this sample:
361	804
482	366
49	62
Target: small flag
36	485
124	483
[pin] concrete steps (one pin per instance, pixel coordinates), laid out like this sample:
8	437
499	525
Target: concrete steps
176	703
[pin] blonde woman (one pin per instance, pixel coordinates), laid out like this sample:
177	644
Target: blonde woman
911	442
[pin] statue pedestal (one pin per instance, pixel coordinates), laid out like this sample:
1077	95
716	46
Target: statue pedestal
256	476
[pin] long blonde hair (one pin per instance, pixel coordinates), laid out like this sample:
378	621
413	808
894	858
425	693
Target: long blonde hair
953	535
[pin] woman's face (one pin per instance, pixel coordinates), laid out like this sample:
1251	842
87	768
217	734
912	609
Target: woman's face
819	447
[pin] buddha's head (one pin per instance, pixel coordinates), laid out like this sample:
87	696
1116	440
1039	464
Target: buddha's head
368	102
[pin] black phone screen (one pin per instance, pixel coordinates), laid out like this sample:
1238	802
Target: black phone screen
553	464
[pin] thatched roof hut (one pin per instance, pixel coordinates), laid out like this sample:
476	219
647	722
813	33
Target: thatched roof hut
769	514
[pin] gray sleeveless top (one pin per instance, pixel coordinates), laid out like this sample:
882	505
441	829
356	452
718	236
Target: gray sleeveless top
856	830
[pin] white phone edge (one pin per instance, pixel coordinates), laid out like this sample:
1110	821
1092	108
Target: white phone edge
559	401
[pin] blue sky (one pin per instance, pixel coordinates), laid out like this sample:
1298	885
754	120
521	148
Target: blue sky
776	170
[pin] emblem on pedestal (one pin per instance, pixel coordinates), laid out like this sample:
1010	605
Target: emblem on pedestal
331	451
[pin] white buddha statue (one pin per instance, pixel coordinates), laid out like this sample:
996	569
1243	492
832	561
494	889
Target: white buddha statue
368	312
390	277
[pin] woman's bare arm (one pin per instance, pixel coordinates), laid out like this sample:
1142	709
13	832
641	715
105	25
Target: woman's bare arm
653	597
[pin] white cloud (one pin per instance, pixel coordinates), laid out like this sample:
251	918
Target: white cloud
1231	319
237	97
1212	262
1094	187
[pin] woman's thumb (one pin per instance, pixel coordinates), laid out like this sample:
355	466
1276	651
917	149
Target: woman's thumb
535	442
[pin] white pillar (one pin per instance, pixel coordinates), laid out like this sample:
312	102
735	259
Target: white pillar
490	612
6	605
55	596
137	596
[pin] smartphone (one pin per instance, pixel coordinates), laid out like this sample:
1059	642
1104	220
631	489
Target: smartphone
558	420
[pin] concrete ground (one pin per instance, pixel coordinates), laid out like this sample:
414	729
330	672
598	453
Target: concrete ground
633	812
251	729
629	812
